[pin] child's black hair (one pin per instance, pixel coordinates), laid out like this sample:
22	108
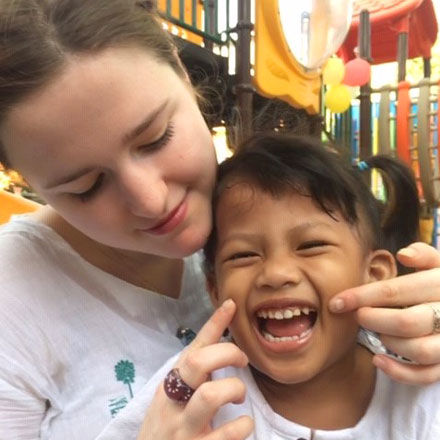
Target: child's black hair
282	163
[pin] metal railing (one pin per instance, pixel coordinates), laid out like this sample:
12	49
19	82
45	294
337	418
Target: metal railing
199	17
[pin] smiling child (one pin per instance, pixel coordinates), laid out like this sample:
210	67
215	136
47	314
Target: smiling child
294	226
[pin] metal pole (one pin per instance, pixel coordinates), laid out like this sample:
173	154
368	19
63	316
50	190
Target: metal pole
210	22
243	88
427	67
364	39
402	55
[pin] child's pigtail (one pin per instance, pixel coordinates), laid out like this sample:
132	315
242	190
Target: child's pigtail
401	209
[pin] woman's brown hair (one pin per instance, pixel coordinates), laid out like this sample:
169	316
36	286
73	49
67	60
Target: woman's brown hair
37	37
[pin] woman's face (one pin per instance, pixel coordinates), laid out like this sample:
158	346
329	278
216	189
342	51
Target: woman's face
117	145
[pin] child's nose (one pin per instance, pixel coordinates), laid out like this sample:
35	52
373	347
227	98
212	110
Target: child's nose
279	272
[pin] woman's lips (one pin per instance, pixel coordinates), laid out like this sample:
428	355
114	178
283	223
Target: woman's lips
173	220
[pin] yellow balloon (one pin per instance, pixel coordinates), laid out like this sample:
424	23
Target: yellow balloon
333	71
338	98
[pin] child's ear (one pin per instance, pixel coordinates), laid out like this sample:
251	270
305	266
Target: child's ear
382	266
211	286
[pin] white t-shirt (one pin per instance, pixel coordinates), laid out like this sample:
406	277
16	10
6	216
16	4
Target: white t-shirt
77	343
396	412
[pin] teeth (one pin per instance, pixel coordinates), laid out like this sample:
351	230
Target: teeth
269	337
279	315
284	313
288	314
305	333
272	338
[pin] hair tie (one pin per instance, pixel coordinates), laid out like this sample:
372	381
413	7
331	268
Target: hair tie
362	165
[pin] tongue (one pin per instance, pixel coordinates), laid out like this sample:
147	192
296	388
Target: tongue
288	327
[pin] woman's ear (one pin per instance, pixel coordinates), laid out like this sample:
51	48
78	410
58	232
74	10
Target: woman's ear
382	266
211	287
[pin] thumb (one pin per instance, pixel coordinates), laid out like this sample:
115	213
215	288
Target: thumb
420	256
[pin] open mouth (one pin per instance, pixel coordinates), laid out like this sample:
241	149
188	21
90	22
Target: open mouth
294	323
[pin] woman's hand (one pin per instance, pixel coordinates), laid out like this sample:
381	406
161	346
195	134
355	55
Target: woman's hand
168	420
409	331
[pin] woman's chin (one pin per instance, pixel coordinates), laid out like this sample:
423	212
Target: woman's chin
192	239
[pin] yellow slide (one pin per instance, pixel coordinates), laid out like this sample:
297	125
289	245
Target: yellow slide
11	204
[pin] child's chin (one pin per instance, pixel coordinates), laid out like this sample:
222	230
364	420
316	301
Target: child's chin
292	377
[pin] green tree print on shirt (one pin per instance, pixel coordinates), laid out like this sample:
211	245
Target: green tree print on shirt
125	373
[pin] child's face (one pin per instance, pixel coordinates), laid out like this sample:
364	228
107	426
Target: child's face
281	260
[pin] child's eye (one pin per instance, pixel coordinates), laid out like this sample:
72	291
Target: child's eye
312	245
241	256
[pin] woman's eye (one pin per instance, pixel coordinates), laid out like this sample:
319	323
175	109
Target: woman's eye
87	195
312	245
162	141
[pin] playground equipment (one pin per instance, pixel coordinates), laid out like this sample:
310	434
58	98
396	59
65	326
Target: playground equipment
411	132
384	31
206	37
12	204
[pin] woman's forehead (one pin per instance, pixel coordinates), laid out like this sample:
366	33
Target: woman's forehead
95	99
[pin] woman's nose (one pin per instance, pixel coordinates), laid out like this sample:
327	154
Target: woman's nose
279	272
145	193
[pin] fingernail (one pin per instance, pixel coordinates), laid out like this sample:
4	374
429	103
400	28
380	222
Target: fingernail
407	252
337	305
227	304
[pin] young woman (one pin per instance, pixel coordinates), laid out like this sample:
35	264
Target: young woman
98	115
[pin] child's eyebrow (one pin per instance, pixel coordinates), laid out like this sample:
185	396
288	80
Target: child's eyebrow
253	237
310	225
243	236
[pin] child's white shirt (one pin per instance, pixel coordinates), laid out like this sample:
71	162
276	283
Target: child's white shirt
396	412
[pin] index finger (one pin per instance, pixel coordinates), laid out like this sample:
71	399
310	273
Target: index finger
406	290
216	325
419	256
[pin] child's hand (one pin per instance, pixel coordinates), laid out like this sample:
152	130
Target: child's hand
408	331
168	420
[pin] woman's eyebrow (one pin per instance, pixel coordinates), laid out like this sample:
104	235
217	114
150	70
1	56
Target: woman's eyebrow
135	132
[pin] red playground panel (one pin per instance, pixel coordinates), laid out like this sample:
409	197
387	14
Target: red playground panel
388	18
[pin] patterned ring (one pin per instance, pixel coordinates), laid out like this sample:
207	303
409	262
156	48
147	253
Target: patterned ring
175	387
436	323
